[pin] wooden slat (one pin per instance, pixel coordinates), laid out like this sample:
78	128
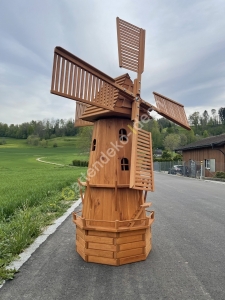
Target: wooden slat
99	253
70	79
66	77
101	233
99	239
130	233
128	246
129	252
129	239
54	71
62	75
102	260
131	259
100	246
142	176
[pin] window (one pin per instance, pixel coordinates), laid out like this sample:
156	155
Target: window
207	164
93	145
123	134
210	164
124	164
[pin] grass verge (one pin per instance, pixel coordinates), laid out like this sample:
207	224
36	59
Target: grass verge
32	196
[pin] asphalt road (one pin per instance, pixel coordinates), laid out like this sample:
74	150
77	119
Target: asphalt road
187	260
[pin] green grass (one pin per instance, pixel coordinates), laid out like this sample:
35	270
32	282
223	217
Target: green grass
32	194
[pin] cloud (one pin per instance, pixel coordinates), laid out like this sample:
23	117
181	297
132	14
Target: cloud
184	54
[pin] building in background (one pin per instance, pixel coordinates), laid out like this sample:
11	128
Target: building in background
211	151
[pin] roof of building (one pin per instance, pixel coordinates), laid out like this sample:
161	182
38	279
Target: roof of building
212	141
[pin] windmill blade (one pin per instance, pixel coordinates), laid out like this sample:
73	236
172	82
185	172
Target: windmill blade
167	108
171	110
75	79
131	45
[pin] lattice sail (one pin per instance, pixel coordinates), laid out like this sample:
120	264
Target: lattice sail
131	44
75	79
171	110
142	176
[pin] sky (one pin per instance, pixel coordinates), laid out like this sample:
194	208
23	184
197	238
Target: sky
184	51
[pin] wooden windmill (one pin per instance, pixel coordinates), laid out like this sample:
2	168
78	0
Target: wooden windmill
114	226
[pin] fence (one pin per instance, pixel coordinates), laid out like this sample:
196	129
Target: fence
191	168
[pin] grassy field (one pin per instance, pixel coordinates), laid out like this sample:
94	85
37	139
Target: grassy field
32	194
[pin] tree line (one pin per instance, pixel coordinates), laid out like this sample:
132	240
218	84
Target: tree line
165	134
45	129
168	136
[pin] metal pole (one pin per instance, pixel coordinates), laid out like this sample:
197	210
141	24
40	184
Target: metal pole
201	169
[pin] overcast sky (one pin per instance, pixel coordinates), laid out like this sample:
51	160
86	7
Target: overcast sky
184	51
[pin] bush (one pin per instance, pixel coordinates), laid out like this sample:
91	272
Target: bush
33	140
220	175
55	145
2	142
178	157
43	143
80	163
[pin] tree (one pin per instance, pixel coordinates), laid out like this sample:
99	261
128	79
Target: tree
205	134
166	155
190	136
194	119
171	141
86	134
205	117
221	113
183	139
157	138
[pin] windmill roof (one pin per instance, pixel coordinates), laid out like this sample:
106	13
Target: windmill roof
218	140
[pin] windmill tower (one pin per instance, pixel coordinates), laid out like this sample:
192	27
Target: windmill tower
114	226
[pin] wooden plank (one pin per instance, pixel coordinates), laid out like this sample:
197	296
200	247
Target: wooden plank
148	235
101	246
62	75
129	252
102	233
128	260
80	241
80	246
102	260
141	52
148	249
99	239
100	253
66	77
139	244
131	233
77	79
74	80
54	71
70	79
80	232
129	239
57	73
81	253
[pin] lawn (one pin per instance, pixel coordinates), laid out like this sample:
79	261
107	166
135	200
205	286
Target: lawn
32	194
